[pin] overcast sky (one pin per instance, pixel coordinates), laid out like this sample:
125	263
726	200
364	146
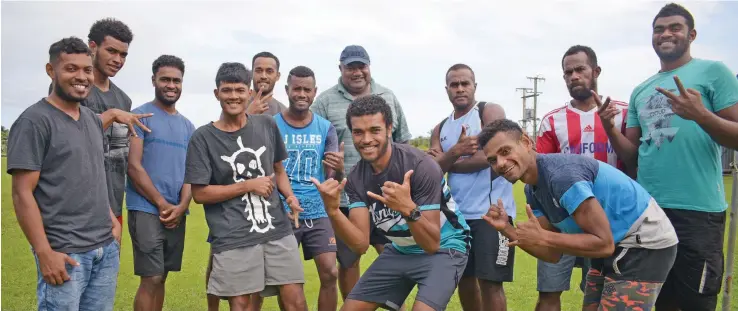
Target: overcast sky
411	45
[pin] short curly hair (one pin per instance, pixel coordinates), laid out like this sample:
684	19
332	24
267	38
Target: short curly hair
498	126
70	45
168	61
369	105
233	72
301	72
110	27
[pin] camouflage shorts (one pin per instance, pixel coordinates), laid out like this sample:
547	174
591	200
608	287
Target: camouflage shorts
630	279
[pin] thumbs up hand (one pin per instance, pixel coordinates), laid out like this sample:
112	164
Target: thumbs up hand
334	160
466	145
396	196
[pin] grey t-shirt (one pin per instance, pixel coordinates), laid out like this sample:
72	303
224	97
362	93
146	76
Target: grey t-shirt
115	141
275	107
215	157
71	192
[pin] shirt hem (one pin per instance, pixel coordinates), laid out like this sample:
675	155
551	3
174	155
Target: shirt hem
77	250
240	244
693	209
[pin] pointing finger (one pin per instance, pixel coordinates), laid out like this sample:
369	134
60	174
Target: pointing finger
529	211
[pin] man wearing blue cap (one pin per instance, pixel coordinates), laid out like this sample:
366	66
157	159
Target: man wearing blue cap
355	81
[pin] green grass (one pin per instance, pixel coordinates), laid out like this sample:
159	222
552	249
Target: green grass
186	289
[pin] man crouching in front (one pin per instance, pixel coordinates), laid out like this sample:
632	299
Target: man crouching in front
404	190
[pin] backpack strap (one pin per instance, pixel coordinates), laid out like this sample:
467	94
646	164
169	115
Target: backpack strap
480	106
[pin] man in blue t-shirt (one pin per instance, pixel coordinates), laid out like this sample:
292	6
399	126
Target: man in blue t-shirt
583	207
677	121
313	152
157	198
402	189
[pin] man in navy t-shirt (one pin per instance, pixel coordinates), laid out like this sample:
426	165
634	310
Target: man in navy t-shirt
583	207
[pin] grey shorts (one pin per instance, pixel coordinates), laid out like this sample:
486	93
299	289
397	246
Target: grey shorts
156	250
257	268
346	257
490	258
316	237
393	275
555	277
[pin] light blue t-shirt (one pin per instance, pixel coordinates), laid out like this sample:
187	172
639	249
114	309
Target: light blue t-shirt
306	147
678	162
164	156
473	192
567	180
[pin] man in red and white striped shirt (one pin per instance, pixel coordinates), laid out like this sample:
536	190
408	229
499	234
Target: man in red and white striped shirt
575	128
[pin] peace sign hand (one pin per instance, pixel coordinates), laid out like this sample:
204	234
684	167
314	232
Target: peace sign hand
131	119
395	196
530	233
688	104
259	104
330	191
605	111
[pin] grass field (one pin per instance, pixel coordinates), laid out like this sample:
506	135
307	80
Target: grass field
186	289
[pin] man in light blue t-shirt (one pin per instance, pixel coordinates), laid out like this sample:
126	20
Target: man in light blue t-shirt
156	197
474	186
677	120
313	152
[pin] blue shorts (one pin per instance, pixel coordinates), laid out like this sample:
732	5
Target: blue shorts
555	277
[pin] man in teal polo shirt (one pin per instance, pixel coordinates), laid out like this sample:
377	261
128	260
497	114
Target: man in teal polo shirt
355	81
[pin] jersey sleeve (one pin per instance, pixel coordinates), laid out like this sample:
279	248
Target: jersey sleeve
533	202
426	185
723	89
331	140
352	190
198	170
27	145
571	185
280	151
632	116
547	141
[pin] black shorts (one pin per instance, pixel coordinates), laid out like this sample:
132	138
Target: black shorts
695	280
316	237
490	258
156	250
346	257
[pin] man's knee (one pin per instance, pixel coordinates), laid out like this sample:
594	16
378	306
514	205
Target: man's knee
549	296
490	287
292	295
328	276
153	282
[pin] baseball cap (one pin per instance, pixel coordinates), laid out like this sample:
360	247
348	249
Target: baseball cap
354	53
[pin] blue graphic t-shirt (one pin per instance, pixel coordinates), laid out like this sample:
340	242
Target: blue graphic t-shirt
678	162
164	156
567	180
305	149
429	192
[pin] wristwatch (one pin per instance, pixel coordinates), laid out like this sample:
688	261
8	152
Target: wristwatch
414	215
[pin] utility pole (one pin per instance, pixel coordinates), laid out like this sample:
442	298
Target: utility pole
535	100
524	91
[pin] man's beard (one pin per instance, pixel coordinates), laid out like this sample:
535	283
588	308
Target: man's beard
67	97
584	92
264	91
163	99
675	54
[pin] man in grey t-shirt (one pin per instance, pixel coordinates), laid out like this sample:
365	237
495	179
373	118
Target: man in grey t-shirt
109	40
55	155
266	74
233	165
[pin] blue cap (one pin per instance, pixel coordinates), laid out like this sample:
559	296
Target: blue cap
354	53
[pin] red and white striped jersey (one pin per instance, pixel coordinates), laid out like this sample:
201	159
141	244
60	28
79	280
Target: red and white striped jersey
570	130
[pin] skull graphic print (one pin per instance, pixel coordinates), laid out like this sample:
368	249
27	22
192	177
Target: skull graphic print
246	164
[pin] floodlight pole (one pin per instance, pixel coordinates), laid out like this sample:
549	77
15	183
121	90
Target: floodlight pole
731	235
